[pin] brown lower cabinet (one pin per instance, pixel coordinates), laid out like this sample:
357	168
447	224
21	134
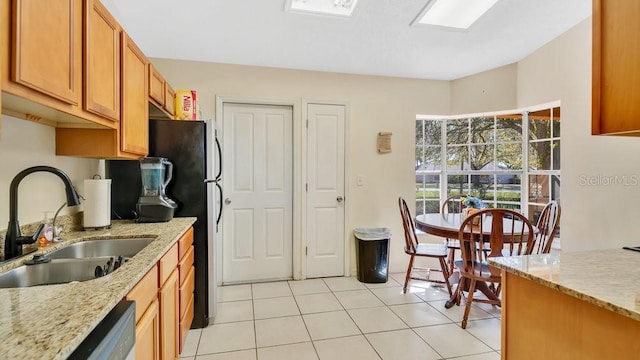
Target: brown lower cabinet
162	296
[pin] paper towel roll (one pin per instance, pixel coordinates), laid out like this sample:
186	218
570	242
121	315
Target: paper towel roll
97	203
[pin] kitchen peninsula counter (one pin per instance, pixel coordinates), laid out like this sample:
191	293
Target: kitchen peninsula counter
578	305
50	321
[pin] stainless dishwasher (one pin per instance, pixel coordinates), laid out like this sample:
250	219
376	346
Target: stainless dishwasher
113	338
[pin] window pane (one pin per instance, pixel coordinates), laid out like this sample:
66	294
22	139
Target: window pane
427	207
534	213
457	131
555	188
556	155
556	122
509	156
540	155
482	130
509	128
420	132
482	157
483	187
514	207
427	186
509	191
432	132
433	158
457	184
556	128
457	158
539	189
539	130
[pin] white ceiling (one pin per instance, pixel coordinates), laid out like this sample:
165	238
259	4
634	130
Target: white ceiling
377	40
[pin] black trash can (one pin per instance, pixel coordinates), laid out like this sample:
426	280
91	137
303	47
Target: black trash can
372	253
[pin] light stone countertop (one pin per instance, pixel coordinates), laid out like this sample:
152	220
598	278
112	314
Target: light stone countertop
606	278
49	322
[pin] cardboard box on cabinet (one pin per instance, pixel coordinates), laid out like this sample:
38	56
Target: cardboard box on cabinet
186	105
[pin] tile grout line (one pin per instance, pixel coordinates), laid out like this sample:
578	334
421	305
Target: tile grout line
303	321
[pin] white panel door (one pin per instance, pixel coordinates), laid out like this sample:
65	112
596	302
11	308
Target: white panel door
257	235
325	190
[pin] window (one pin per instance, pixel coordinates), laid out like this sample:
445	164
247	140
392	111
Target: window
544	160
485	156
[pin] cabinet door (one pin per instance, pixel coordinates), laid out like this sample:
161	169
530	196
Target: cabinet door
169	100
169	318
148	334
101	62
156	86
616	69
134	124
47	47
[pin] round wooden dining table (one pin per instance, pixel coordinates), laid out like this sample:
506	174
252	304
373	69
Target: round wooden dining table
448	226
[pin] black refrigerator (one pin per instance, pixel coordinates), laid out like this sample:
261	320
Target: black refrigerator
195	153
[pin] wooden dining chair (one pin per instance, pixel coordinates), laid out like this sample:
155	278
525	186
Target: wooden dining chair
504	232
414	248
452	205
546	226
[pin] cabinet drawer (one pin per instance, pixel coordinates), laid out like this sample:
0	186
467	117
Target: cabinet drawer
185	265
145	291
168	263
186	291
184	242
185	324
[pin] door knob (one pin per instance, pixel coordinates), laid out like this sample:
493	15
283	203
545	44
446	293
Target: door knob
340	199
227	201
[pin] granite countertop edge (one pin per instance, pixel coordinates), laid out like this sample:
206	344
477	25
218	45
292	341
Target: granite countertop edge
49	322
581	294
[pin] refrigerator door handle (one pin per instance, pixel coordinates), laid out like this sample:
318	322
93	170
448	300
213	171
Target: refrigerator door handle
215	181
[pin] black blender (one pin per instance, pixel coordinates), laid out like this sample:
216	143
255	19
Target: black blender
154	205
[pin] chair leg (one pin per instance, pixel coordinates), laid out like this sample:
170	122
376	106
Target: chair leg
451	259
406	279
467	307
445	274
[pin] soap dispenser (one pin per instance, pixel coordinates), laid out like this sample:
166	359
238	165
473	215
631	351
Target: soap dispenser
46	236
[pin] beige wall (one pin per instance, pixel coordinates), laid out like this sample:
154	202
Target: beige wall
484	92
24	144
374	104
593	216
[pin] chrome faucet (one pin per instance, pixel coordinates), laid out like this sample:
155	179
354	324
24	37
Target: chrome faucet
14	240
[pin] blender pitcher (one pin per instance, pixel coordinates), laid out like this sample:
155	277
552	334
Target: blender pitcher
156	174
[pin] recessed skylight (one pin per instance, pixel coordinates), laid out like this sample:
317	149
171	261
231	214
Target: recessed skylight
323	7
458	14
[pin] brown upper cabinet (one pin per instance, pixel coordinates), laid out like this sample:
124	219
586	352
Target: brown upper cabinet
616	68
101	62
41	60
47	48
156	86
134	127
69	64
161	96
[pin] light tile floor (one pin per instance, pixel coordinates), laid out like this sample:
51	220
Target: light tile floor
342	318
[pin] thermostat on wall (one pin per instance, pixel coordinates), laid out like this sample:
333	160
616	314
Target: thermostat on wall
384	142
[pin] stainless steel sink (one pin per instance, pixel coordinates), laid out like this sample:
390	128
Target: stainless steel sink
101	248
54	272
76	262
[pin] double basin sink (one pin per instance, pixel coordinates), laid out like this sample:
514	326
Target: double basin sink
79	261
